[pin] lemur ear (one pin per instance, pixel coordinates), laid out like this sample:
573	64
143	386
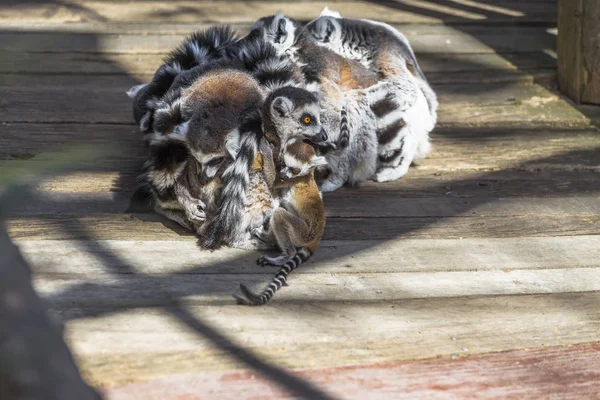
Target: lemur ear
330	13
135	90
317	94
330	27
232	144
283	106
318	161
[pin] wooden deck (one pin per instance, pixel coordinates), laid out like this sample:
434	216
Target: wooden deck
475	276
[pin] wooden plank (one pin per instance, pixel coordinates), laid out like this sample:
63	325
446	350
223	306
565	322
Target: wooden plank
578	50
590	47
569	47
91	259
417	184
405	11
151	227
146	343
31	344
518	374
515	40
183	28
486	105
481	149
360	205
217	289
143	66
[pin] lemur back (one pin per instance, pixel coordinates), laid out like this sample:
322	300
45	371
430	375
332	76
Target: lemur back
297	225
403	131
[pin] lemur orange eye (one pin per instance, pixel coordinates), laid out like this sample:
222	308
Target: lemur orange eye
307	120
295	171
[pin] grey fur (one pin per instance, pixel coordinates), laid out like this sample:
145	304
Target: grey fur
383	49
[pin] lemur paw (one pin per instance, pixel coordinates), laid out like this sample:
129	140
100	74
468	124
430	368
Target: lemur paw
195	211
329	186
391	174
272	261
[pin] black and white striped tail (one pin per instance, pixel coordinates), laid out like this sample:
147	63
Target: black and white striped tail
251	299
262	61
200	47
221	228
344	139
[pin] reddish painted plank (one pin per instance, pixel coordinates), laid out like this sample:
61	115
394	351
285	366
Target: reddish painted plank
559	372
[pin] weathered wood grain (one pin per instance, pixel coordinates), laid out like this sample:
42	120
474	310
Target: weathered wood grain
146	343
448	40
569	47
418	183
454	150
578	50
534	373
339	204
217	289
151	227
143	66
90	259
524	105
590	48
413	11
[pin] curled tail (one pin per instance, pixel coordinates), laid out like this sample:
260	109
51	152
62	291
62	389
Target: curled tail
222	227
344	130
262	61
201	46
251	299
198	48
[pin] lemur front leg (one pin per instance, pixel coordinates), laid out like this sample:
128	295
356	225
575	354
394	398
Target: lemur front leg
194	208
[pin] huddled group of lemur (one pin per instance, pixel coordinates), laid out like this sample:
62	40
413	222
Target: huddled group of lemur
244	134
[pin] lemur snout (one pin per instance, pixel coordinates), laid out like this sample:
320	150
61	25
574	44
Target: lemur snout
321	136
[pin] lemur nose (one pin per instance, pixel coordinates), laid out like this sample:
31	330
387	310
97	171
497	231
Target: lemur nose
322	136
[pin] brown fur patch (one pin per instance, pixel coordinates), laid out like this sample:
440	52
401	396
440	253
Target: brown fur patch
303	152
257	164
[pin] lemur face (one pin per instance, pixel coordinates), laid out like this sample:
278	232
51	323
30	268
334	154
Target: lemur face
278	30
299	160
295	114
326	30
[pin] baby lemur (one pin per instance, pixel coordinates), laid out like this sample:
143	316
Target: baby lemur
288	113
298	223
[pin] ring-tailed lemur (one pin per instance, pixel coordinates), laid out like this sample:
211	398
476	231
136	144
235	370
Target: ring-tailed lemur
288	114
347	88
201	126
403	135
298	223
199	48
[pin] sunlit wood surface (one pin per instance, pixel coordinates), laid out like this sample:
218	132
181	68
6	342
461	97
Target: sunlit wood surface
476	275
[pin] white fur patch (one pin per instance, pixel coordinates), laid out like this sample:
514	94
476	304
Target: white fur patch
330	13
135	90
